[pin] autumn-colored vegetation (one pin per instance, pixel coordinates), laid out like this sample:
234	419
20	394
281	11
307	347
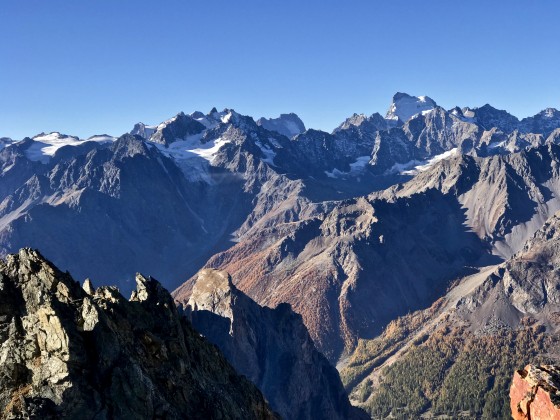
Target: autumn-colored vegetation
453	372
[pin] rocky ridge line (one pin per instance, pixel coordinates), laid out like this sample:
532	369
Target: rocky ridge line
89	353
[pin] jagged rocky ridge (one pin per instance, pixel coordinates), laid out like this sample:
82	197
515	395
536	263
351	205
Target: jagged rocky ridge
89	353
191	182
219	176
190	185
352	270
271	347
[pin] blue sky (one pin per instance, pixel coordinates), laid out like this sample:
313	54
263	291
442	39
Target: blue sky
88	67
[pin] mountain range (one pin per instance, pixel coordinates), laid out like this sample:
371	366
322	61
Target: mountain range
388	236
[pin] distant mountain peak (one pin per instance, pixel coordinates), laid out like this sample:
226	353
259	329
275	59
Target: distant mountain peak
372	123
548	113
52	135
289	125
488	116
405	106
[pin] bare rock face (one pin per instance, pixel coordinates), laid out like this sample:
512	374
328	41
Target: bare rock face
68	352
271	347
535	393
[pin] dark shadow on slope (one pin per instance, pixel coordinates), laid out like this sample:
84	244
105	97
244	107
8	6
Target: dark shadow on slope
423	244
321	189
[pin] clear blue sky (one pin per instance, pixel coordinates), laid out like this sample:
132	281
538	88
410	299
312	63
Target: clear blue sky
93	66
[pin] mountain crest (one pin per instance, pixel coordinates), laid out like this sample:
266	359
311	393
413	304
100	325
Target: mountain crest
405	106
68	352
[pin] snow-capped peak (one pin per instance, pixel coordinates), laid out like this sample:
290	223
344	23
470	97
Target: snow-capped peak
550	113
213	118
404	107
143	130
44	146
171	120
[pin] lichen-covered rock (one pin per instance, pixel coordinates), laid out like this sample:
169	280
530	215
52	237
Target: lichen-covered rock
535	393
84	353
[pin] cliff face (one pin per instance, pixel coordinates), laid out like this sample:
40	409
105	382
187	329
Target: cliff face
84	353
535	393
271	347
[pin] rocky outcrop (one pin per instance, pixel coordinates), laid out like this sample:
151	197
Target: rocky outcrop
271	347
73	352
535	393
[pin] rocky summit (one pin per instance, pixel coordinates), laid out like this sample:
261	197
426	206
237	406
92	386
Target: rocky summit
73	352
271	347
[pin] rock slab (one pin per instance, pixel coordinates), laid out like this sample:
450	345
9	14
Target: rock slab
535	393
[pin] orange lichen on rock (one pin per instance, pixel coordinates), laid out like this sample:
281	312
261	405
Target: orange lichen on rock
535	393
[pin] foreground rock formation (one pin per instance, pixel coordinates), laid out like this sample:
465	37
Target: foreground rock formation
271	347
68	352
535	393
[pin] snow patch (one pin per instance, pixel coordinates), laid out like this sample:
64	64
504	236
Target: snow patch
335	173
404	107
414	167
192	156
360	163
356	168
226	118
192	148
102	138
497	144
44	146
268	153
